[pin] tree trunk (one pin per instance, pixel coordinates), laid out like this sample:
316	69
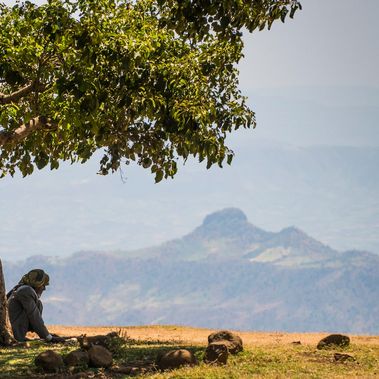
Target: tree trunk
6	338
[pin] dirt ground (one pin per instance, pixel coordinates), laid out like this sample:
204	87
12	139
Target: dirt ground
199	336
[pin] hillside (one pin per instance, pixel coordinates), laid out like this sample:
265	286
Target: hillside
227	273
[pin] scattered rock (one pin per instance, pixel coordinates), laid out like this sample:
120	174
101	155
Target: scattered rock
296	343
77	358
338	357
122	369
100	340
49	361
334	340
236	341
217	353
99	356
128	370
175	359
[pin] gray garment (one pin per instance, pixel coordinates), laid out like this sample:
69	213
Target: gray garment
25	313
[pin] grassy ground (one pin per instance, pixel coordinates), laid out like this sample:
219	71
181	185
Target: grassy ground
273	357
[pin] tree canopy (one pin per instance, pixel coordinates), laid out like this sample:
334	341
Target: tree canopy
145	81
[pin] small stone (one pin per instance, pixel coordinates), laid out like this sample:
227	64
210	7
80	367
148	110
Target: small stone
334	340
49	361
175	359
339	357
224	335
217	353
136	371
296	343
99	356
77	358
122	369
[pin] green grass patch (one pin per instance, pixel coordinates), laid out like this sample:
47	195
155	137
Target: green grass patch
272	361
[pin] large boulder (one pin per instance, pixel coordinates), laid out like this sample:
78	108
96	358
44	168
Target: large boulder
235	345
49	361
175	359
77	358
99	356
217	353
338	340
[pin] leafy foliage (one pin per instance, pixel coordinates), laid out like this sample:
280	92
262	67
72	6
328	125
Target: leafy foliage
149	81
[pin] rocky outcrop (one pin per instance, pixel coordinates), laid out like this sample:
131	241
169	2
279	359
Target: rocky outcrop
175	359
99	356
235	344
217	353
77	358
49	361
338	340
220	345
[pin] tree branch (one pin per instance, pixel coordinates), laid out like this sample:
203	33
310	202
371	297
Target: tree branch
24	130
17	95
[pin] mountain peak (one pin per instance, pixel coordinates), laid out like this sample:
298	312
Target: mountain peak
229	215
292	231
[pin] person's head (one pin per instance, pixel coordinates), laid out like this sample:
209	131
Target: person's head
37	278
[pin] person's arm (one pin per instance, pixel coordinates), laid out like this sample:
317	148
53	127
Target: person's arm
28	299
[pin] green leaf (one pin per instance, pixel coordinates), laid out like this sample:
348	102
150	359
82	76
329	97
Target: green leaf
158	176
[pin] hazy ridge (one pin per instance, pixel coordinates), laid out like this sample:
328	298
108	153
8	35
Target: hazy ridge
226	273
329	192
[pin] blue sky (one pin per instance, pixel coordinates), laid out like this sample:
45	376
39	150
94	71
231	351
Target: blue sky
312	81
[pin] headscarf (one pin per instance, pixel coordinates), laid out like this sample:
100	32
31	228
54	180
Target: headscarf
35	278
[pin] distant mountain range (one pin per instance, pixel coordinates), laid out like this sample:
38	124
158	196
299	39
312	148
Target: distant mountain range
331	192
227	273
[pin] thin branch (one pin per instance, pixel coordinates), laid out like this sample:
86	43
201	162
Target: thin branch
24	130
17	95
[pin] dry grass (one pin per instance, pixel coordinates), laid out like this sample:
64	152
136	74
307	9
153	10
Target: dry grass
266	355
199	335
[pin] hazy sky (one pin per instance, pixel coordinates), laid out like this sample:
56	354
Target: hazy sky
329	43
312	81
326	59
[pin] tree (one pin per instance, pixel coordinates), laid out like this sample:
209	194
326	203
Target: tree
5	332
145	81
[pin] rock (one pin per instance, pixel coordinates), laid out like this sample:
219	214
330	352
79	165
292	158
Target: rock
338	357
77	358
49	361
99	356
130	370
217	353
296	342
236	341
100	340
334	340
122	369
175	359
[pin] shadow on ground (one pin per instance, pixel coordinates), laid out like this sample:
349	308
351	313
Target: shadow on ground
132	358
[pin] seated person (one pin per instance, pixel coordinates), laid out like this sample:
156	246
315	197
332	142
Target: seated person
25	307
